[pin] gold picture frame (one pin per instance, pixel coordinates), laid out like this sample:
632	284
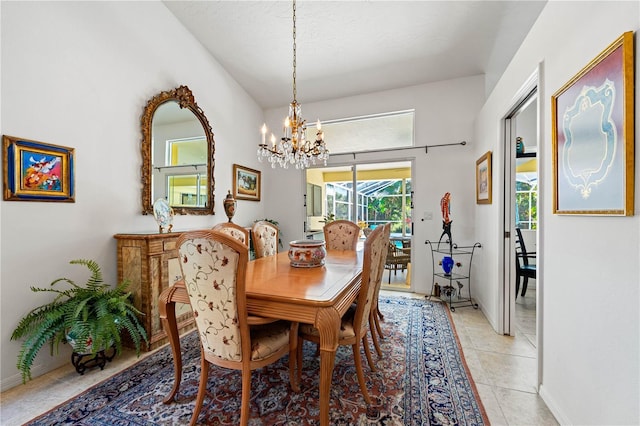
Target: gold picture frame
37	171
483	179
246	183
593	136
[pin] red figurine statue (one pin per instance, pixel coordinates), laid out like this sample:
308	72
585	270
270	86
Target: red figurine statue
446	220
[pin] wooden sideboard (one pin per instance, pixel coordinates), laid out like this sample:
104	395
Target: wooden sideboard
150	263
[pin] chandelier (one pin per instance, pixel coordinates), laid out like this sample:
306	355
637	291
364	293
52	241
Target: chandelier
294	147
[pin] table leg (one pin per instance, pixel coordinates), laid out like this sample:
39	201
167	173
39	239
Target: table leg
328	325
167	308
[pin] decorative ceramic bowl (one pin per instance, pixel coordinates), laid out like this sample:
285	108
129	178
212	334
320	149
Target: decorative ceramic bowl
88	346
307	253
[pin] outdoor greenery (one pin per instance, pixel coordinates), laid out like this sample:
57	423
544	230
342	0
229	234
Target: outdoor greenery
328	218
526	205
383	206
94	315
386	206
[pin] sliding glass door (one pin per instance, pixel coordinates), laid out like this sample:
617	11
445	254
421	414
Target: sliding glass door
369	194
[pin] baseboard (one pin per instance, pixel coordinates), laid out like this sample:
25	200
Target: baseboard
553	407
489	318
16	379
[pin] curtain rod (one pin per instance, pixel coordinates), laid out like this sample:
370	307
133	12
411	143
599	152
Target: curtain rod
426	149
195	166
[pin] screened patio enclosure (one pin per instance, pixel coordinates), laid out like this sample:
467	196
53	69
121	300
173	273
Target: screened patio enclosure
382	195
378	202
371	195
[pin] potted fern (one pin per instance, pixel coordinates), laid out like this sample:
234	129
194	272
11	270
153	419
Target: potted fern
91	317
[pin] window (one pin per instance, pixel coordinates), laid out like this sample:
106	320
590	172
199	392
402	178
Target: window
526	205
339	200
350	190
187	190
187	151
381	131
379	200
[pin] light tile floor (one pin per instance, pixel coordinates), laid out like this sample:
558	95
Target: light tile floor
502	367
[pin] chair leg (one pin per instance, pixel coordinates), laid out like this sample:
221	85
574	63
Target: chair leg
377	323
525	282
246	393
381	317
202	389
374	336
367	352
299	361
293	357
517	285
357	359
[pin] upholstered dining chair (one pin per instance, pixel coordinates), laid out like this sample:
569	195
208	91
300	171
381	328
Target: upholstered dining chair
236	231
375	315
341	235
524	269
214	266
241	234
354	326
265	238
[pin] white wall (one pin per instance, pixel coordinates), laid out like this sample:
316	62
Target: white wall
79	74
444	113
588	274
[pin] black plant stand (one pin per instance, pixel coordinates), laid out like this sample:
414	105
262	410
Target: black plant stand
83	361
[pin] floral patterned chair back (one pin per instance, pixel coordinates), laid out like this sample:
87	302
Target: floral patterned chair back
353	328
265	238
375	314
375	250
213	266
238	232
341	235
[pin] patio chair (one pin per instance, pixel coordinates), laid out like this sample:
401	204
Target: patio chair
524	269
397	258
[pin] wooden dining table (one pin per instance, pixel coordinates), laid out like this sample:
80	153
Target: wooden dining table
318	296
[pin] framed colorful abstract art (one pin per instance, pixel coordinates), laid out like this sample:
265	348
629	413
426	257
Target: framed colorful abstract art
37	171
593	136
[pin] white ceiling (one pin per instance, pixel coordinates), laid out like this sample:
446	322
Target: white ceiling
359	46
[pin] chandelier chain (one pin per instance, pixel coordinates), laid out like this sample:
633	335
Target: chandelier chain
294	148
294	51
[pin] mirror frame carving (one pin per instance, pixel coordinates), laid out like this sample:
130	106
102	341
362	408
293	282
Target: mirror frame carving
185	99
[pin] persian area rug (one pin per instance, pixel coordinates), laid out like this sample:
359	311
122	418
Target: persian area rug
422	379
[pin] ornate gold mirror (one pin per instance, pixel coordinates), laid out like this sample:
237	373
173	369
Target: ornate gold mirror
177	154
